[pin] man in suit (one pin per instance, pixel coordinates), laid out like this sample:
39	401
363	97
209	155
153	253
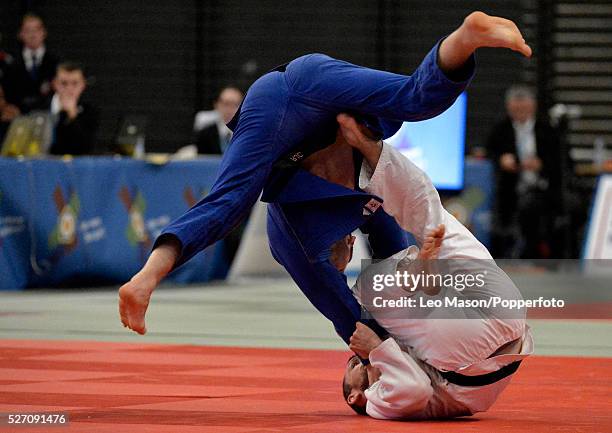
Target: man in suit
526	152
5	61
212	136
7	113
28	80
75	122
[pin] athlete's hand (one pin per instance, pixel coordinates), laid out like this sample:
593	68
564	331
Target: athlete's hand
432	243
355	134
358	136
363	341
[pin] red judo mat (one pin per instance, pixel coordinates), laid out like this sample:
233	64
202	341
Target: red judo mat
122	387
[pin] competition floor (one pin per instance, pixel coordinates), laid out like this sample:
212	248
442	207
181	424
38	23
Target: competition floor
254	358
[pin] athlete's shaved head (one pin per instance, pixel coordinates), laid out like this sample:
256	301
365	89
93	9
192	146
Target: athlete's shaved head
354	383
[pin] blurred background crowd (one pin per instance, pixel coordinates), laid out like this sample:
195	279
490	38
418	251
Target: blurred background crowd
150	76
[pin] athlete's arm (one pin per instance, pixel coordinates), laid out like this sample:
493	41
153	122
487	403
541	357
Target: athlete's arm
408	194
399	387
403	389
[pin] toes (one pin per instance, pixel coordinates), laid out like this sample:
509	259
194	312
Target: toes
136	322
526	50
522	48
122	313
134	327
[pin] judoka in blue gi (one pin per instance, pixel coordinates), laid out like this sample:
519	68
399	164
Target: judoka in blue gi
289	114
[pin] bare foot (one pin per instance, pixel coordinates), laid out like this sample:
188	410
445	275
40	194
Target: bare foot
134	299
431	245
482	30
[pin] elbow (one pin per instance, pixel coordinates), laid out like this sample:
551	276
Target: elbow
420	393
410	400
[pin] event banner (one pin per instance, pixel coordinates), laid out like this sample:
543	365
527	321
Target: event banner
94	220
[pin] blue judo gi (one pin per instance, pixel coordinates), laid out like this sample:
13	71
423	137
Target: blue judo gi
291	112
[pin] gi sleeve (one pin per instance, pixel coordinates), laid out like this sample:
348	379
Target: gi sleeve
403	389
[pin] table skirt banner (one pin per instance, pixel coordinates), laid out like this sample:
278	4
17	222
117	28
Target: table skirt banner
93	220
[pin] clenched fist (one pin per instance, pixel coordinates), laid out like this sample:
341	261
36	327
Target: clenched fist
363	341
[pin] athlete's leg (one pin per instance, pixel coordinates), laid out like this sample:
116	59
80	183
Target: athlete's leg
339	86
244	169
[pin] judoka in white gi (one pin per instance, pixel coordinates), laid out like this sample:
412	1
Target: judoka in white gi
438	362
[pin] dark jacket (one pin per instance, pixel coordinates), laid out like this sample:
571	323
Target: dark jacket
4	126
502	140
77	136
6	60
24	91
208	141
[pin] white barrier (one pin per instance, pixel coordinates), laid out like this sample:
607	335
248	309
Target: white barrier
598	244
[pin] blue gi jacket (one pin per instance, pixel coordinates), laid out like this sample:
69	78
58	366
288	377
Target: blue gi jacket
305	219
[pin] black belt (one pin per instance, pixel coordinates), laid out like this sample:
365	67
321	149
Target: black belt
483	379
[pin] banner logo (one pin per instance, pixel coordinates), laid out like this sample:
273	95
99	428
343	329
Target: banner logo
190	196
135	205
64	234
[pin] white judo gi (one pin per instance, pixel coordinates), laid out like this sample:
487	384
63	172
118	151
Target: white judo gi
427	341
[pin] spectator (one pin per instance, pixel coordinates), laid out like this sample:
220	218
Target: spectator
7	113
211	134
526	152
75	122
5	61
28	81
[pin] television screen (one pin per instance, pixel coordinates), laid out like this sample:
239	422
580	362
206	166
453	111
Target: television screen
437	145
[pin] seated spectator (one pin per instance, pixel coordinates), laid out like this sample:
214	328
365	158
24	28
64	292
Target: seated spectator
211	134
526	153
75	122
7	113
28	79
5	61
